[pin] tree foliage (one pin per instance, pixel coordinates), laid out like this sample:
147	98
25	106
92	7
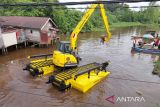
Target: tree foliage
66	19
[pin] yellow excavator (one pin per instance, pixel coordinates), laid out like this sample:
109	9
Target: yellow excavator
81	78
63	57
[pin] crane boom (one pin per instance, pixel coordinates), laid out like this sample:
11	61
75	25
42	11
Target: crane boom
74	34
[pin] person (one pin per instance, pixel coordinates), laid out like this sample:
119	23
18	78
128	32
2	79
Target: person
102	39
140	42
67	49
159	47
157	42
152	43
134	43
157	35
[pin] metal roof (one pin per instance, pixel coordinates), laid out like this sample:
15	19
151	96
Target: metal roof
25	22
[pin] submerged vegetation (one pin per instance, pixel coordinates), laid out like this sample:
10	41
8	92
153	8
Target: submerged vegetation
119	15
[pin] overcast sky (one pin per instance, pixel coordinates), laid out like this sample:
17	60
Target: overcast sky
130	4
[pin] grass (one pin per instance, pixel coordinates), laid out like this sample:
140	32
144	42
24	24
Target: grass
126	24
156	69
119	24
98	29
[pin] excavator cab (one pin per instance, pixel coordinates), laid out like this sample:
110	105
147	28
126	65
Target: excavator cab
63	57
64	47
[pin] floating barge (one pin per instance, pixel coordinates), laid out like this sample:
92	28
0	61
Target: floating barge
40	65
81	78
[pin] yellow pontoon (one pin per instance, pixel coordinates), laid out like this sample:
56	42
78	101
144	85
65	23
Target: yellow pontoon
81	78
40	65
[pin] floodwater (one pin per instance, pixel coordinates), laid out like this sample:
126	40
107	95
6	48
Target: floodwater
131	76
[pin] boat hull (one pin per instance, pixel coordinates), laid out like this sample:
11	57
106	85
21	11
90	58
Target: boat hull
148	51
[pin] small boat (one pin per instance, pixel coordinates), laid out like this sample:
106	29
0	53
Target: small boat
146	43
148	51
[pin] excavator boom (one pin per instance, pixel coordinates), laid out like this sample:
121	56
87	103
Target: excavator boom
74	34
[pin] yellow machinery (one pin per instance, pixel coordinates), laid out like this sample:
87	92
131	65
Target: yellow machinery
40	65
81	78
63	56
64	59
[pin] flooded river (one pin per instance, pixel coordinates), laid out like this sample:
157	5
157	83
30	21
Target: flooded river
131	76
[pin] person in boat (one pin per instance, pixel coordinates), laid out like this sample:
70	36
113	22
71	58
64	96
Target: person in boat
158	47
157	42
134	43
140	42
153	43
157	35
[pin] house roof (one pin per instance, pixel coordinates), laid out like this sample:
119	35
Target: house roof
25	22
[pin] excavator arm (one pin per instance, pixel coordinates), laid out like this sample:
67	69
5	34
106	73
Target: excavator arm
105	20
74	34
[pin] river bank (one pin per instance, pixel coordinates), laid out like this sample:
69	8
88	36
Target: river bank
127	24
156	69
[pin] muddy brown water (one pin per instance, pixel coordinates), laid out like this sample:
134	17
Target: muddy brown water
19	89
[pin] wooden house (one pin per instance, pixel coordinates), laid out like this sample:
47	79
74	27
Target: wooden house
40	30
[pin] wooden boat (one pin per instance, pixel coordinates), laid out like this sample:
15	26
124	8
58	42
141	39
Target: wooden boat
145	43
148	51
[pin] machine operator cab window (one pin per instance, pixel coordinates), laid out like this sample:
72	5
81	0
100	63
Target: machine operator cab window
64	47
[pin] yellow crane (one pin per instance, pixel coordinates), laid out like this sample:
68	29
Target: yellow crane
64	57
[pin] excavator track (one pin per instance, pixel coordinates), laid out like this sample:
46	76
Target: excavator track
71	77
65	75
40	65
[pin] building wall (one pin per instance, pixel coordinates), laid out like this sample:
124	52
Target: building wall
50	33
48	28
32	35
